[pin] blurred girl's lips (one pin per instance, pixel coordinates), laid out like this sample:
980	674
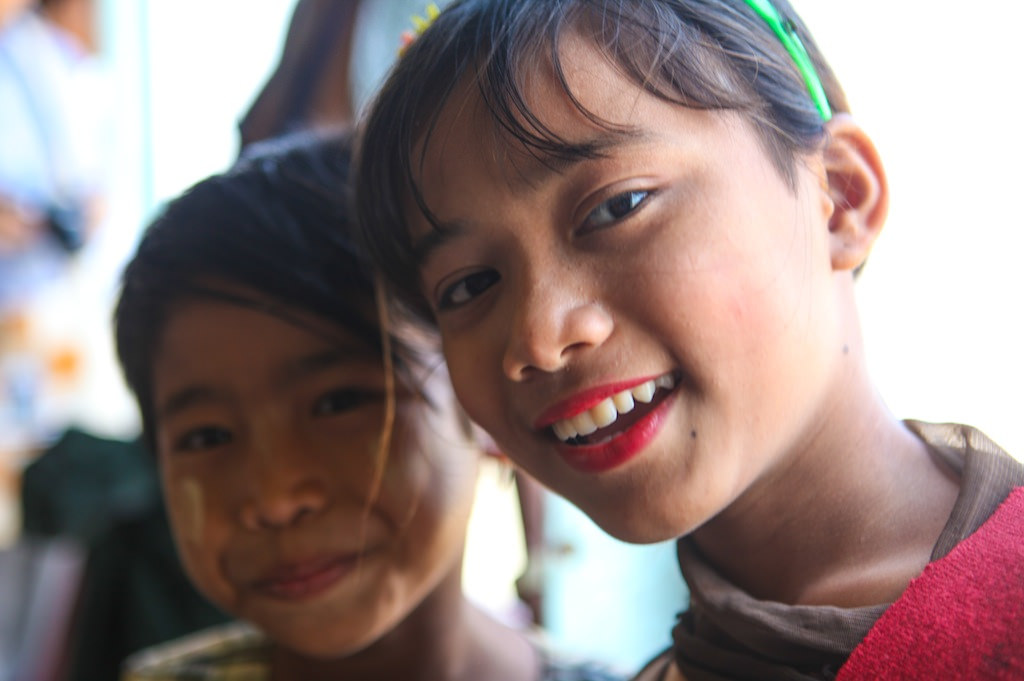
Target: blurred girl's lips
307	579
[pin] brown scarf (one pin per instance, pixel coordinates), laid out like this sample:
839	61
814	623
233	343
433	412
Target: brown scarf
727	634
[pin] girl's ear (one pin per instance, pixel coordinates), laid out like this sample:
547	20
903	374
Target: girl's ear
858	190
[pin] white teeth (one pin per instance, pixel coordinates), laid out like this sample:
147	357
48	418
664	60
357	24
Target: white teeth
607	411
583	423
644	392
624	402
604	414
564	430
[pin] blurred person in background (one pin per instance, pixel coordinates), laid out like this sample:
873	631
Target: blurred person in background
317	470
55	131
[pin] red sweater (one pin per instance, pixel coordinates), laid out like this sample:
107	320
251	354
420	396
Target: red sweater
963	618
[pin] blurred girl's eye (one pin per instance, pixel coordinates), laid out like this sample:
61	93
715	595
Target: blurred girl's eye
201	439
613	210
342	400
467	288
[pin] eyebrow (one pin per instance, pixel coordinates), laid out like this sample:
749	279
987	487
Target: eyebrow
294	371
314	363
440	234
186	398
543	166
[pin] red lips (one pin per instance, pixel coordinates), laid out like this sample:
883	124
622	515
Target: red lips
582	401
624	446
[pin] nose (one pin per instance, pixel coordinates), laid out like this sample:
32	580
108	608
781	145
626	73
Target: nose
285	488
551	327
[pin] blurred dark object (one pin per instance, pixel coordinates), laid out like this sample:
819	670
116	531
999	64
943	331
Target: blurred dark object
310	85
105	494
40	584
68	224
83	484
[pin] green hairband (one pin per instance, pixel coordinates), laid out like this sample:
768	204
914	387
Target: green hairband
786	33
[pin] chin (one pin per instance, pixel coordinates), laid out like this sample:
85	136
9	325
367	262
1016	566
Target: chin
639	525
325	645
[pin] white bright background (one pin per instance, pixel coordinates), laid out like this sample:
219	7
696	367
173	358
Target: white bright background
938	87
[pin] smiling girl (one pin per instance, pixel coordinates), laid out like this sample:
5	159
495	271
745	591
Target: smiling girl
317	470
637	226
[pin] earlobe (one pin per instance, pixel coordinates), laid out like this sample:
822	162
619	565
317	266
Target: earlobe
858	190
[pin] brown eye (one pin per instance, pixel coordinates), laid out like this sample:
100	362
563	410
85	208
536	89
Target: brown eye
201	439
342	400
614	209
467	288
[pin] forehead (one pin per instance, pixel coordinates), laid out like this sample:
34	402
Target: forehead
586	109
596	103
209	336
260	340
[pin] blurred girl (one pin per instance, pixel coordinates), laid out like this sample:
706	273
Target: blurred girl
317	469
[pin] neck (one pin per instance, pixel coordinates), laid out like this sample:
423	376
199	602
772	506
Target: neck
848	518
445	639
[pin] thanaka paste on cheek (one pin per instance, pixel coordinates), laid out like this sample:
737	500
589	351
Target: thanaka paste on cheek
191	493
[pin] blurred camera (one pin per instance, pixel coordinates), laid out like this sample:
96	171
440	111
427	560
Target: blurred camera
67	224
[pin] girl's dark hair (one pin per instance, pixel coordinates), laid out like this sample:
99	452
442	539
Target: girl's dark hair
705	54
277	228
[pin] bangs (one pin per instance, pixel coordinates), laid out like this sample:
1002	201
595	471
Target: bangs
650	45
